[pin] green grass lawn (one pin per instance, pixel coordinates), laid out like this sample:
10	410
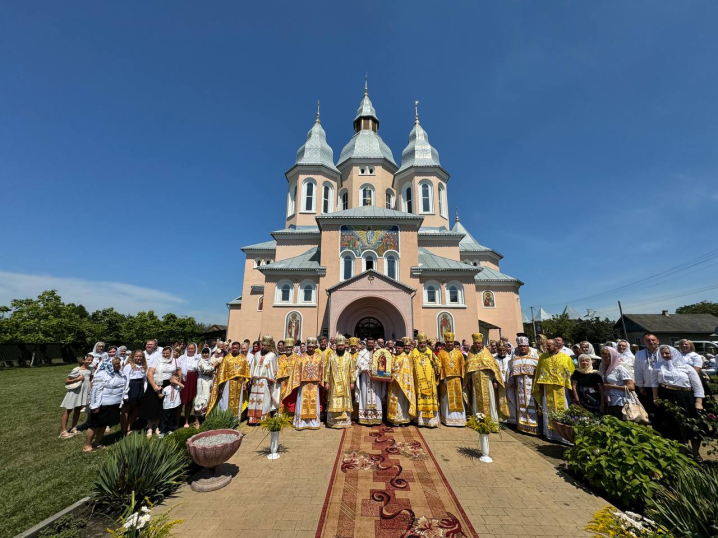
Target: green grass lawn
39	473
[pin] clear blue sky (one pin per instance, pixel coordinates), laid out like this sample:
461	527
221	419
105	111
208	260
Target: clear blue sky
142	144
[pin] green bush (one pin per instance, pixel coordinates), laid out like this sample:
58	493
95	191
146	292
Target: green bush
625	461
151	468
689	506
178	439
219	420
69	526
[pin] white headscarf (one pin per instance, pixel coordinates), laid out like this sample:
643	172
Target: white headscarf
627	357
162	363
191	359
591	352
667	370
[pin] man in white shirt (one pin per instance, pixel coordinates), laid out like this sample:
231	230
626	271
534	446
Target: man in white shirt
563	349
643	367
152	351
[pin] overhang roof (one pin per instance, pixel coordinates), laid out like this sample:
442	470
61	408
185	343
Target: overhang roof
369	212
237	301
671	323
305	262
492	275
266	245
431	263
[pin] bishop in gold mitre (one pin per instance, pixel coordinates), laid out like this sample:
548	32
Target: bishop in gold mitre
308	376
485	387
451	373
401	398
339	379
229	390
425	379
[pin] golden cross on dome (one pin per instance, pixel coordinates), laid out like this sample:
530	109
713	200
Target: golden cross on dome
318	111
416	111
366	83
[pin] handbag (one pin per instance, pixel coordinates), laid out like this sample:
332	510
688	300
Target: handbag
73	386
633	410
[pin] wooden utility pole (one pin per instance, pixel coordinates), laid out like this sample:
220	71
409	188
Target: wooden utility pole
623	322
533	322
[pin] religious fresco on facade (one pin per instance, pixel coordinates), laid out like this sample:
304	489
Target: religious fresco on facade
445	324
293	327
381	365
489	299
358	239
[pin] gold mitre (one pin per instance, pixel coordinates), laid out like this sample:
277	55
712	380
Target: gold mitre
354	341
289	342
448	337
267	340
477	338
340	340
421	337
311	341
406	340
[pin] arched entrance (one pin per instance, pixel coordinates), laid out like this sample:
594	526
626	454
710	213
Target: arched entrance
369	328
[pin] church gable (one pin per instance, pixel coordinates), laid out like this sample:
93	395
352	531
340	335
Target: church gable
371	280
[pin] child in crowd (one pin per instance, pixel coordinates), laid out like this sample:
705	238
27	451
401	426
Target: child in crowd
170	401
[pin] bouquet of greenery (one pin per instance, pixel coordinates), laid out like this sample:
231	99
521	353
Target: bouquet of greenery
575	415
140	523
480	423
276	423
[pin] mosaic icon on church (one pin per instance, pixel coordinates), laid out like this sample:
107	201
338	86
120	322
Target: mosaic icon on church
379	239
293	328
381	364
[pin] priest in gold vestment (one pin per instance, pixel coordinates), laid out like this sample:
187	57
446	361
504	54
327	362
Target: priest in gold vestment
485	386
425	379
339	378
285	370
401	398
229	390
354	351
309	368
552	384
451	373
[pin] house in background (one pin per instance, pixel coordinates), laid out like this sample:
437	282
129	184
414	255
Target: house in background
669	328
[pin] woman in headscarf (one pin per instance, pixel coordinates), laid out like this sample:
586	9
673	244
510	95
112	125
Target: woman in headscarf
587	349
627	357
99	354
541	343
122	353
135	372
108	389
188	364
617	380
586	385
205	375
676	381
159	372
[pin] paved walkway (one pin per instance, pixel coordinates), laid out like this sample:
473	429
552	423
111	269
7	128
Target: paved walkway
520	494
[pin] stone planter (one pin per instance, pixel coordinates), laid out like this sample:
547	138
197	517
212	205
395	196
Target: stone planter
564	430
210	455
273	446
484	446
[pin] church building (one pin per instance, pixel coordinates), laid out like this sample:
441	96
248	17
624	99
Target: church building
368	249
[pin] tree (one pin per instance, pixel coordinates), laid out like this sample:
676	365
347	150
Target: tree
595	330
559	326
704	307
141	327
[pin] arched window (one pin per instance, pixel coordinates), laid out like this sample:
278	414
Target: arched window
427	196
391	265
284	292
432	293
366	194
307	292
454	293
389	199
257	262
344	199
347	266
309	196
442	201
369	261
328	198
291	200
407	201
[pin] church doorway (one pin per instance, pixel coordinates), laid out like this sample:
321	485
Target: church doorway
369	328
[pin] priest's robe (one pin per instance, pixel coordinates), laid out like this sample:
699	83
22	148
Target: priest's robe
401	398
552	384
521	380
229	387
482	370
425	381
310	370
339	374
264	394
285	369
451	373
369	393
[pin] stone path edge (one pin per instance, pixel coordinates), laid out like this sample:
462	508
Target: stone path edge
330	487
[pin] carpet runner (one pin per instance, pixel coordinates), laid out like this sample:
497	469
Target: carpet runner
386	483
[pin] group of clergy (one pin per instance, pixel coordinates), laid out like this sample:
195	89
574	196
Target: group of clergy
424	387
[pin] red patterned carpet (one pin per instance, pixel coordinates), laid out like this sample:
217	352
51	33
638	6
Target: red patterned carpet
387	483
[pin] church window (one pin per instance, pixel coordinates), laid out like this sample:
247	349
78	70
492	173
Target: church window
307	288
391	265
291	200
362	171
442	201
284	292
344	200
454	293
432	291
327	199
348	266
309	195
427	197
389	199
369	261
371	170
367	195
431	294
408	204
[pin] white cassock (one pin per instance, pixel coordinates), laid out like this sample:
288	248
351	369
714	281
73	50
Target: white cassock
369	394
264	396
